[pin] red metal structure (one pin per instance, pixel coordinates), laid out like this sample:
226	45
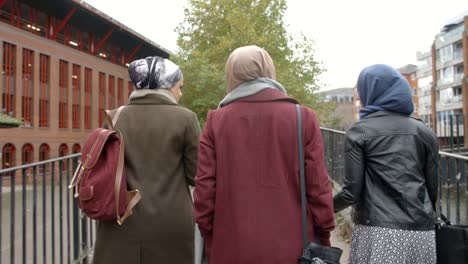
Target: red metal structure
64	22
63	101
133	52
120	99
9	78
28	87
102	97
76	107
88	97
44	90
111	93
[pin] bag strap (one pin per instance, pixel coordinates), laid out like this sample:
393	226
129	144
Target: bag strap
302	176
113	120
132	197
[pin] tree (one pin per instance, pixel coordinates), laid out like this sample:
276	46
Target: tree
212	29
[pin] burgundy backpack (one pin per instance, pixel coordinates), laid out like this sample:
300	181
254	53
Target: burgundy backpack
99	180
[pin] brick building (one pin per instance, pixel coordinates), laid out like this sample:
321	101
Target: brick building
63	63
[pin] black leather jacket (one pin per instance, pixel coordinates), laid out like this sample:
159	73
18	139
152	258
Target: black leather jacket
391	164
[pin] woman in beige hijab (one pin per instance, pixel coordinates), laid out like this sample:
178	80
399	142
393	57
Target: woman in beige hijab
246	198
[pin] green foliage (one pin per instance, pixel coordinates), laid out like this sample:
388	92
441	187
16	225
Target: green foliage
212	29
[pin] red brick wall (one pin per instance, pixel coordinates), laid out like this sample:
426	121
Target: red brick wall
52	135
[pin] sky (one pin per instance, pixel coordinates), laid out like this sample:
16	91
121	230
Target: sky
348	34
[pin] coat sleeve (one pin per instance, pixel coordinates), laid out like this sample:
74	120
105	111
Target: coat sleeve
431	169
354	166
319	189
205	184
192	137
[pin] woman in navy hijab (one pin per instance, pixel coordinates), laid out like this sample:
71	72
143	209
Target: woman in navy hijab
391	162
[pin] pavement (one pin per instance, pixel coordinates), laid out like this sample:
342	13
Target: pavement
337	241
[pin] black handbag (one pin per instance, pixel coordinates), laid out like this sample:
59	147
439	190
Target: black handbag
451	242
312	253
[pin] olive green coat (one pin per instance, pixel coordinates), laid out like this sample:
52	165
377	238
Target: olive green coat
161	141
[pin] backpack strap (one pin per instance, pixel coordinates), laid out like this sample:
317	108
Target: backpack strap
113	120
132	197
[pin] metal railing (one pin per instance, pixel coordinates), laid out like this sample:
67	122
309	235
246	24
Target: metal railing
40	221
453	171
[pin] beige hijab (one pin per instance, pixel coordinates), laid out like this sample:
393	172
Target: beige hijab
246	64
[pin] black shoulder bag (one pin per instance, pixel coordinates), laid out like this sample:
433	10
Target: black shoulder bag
312	253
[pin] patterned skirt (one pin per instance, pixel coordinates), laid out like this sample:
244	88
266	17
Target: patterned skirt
379	245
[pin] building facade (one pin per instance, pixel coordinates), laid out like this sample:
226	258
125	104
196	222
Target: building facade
449	74
424	80
63	64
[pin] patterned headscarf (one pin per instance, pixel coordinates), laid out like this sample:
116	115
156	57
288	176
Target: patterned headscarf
154	73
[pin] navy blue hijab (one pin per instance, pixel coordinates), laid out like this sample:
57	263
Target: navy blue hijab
381	87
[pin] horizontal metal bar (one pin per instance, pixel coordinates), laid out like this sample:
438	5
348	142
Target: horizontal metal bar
45	162
451	155
333	130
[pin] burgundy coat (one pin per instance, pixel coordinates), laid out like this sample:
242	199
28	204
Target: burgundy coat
247	192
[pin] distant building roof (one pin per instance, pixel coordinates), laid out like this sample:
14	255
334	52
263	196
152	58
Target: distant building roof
339	91
408	69
454	22
89	19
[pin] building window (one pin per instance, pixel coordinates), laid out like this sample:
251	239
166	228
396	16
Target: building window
8	156
76	82
88	98
445	54
76	148
63	100
102	97
9	78
130	88
111	92
44	152
120	100
63	150
27	154
44	90
28	89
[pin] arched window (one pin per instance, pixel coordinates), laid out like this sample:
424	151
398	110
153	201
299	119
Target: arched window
44	152
76	148
27	154
63	150
8	156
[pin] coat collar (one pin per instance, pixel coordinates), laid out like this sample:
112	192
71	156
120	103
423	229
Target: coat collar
268	95
388	113
151	99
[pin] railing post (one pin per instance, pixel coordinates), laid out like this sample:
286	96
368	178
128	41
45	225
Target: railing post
76	221
451	131
12	216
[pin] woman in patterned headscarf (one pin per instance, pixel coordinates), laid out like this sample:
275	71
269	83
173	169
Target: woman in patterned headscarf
161	140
